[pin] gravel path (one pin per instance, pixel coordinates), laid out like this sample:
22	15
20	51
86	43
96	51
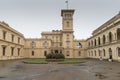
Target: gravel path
91	70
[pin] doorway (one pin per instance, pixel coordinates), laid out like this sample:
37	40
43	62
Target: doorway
110	53
56	51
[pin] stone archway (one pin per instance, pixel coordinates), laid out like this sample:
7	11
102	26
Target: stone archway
110	54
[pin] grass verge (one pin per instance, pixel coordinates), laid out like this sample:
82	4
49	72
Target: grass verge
35	61
43	61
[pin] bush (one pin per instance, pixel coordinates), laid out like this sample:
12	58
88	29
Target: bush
55	56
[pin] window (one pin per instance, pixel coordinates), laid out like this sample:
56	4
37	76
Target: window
60	38
79	45
95	42
18	40
33	44
68	15
67	23
67	44
92	43
118	34
56	38
104	52
56	44
18	51
46	37
12	51
99	41
95	53
99	52
89	44
4	34
104	39
4	50
45	44
32	53
89	53
60	44
119	52
110	37
67	36
12	38
92	53
61	51
79	53
45	53
53	38
68	53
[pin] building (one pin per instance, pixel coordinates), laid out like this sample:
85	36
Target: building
11	43
105	42
14	45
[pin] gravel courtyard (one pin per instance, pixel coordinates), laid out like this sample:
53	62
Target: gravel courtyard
91	70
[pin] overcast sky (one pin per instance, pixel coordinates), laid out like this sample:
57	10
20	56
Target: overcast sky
31	17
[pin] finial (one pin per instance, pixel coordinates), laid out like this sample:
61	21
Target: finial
66	3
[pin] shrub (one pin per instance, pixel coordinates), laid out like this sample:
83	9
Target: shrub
55	56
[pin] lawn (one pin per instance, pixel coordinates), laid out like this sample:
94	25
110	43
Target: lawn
43	61
35	61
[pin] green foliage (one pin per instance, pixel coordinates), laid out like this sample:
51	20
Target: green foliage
55	56
35	61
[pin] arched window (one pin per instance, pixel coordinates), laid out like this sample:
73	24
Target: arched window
79	45
118	34
104	39
95	42
99	41
110	37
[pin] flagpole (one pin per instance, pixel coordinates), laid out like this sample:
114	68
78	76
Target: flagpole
67	3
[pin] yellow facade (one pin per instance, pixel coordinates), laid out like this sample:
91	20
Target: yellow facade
104	44
13	45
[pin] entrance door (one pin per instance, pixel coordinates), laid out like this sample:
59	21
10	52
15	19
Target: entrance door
56	51
110	53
